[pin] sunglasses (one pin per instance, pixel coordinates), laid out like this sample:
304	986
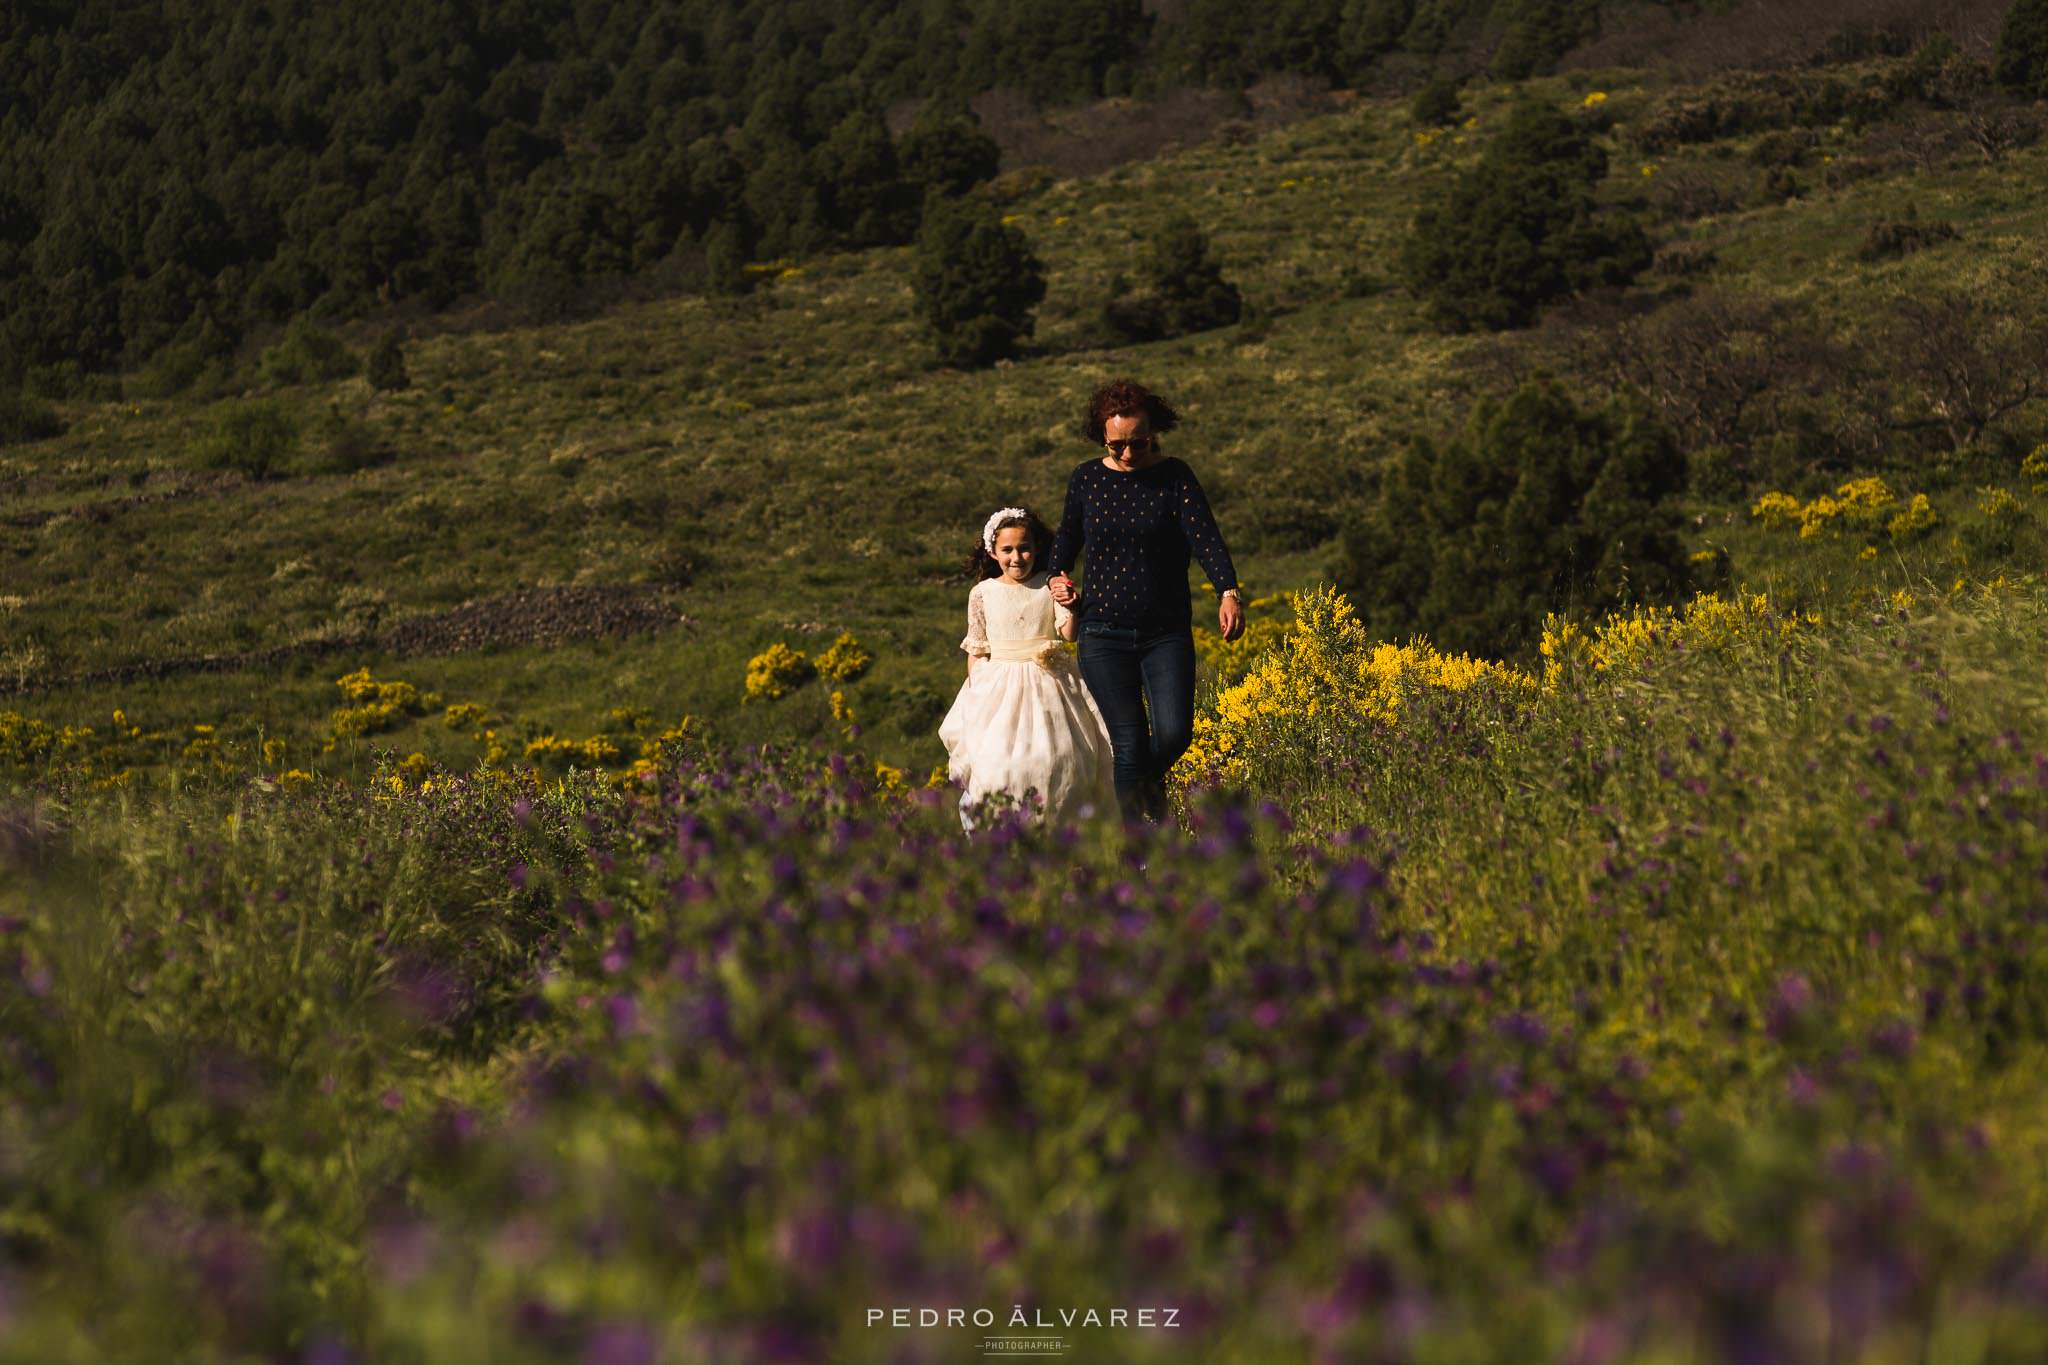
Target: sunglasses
1140	444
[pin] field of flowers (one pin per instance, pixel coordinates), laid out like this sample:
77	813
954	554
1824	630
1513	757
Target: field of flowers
1686	1002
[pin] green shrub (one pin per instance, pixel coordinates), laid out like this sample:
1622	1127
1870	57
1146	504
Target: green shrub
386	366
2021	64
1436	103
1519	228
1538	33
1535	507
308	354
1180	290
946	150
66	380
24	419
183	367
914	709
721	261
976	281
1885	241
340	443
252	438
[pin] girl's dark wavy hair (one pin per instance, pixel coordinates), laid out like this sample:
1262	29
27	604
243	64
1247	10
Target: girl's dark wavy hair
1126	398
981	564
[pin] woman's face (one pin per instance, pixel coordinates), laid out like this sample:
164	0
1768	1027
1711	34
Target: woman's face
1130	442
1014	553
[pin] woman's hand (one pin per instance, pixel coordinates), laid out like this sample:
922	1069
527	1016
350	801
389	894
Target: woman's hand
1230	617
1062	589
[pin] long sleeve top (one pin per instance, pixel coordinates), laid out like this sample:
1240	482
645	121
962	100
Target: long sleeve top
1140	529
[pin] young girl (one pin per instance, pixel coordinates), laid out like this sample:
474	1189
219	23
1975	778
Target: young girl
1023	723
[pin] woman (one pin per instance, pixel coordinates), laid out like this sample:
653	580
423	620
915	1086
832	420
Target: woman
1141	515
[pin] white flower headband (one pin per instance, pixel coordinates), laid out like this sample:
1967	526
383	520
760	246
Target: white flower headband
988	532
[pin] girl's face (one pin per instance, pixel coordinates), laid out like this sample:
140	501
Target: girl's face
1014	553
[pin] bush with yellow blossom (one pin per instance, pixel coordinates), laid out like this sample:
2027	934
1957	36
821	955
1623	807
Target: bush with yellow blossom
1307	697
773	672
1329	693
1267	620
845	660
374	706
1860	505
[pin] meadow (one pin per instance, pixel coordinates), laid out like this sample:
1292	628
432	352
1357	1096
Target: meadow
786	466
1673	993
1684	1002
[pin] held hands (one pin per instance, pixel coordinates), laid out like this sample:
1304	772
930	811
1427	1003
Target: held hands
1062	589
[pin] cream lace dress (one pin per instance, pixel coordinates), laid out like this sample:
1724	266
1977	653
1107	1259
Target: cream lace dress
1023	721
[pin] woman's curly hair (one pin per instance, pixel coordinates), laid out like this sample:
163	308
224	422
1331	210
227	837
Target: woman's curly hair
1126	398
981	564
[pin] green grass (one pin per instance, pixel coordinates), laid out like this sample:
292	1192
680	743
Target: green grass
1694	991
1656	1008
794	455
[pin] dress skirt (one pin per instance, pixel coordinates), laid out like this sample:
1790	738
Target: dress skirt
1028	728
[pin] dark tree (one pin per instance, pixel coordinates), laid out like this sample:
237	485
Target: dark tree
1538	33
1537	506
862	194
1520	228
2022	60
385	368
946	150
976	280
1436	103
1179	289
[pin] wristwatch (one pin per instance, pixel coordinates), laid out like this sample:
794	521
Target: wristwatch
1238	593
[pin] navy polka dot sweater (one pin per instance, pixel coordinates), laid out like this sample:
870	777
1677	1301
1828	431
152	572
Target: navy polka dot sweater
1140	528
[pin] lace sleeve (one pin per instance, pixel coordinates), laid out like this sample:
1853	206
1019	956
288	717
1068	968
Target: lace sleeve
1060	616
976	639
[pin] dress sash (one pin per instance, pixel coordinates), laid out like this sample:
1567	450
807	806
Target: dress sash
1017	651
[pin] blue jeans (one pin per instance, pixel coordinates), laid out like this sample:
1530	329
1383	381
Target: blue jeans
1131	671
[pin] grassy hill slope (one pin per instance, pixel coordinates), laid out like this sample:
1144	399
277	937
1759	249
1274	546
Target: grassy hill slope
787	465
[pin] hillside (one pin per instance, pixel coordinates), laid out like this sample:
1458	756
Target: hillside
786	465
175	186
417	943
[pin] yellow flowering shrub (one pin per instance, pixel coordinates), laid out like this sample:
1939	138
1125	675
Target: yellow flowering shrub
686	729
1776	509
1302	702
2035	467
1267	622
1862	500
1325	669
1627	640
1860	504
1917	519
2000	505
25	741
1817	518
845	660
775	670
359	686
552	750
465	715
375	706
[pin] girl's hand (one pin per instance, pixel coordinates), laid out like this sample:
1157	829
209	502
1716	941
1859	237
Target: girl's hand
1230	617
1062	589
